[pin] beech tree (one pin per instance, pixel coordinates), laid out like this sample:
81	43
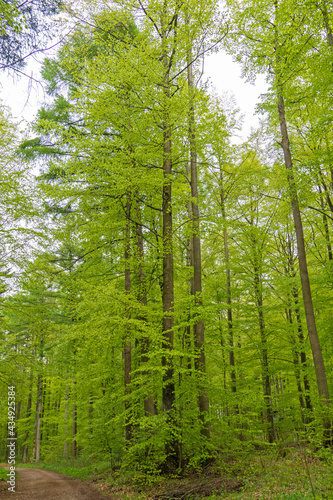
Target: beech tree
24	26
278	44
158	319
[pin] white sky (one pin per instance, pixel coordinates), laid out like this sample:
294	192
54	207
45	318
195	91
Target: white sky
225	75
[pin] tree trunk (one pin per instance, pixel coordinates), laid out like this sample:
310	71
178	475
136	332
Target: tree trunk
224	362
228	290
65	448
35	452
74	421
149	406
329	35
199	329
264	358
296	364
188	335
39	416
28	413
326	228
306	290
301	339
168	391
128	347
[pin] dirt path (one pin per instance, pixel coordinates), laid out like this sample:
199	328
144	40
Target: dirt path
39	484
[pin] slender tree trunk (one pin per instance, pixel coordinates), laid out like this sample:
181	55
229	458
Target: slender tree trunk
28	413
323	8
168	391
228	289
189	263
297	369
128	347
65	448
264	357
35	452
224	364
149	405
74	420
39	416
306	290
301	340
199	329
327	232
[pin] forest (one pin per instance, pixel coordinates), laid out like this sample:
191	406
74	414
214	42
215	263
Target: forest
166	290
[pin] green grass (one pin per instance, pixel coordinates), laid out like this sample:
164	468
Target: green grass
3	474
300	476
260	474
78	469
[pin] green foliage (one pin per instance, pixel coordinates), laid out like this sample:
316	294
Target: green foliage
71	317
3	474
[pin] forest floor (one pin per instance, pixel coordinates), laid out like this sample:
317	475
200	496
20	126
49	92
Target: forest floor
39	484
300	475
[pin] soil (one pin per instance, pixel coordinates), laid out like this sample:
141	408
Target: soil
38	484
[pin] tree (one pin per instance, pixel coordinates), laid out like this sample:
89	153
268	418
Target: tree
278	44
23	30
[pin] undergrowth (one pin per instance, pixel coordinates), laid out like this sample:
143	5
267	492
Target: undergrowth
3	474
302	474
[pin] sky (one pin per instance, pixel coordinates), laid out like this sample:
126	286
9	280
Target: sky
225	75
24	97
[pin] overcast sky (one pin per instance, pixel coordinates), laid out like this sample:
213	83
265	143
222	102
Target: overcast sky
225	75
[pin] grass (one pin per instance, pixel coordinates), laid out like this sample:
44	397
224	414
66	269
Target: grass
3	474
77	468
301	475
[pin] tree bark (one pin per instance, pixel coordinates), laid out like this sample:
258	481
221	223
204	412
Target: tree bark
329	35
39	416
168	391
28	413
35	452
303	267
149	406
199	329
228	290
128	347
306	290
297	369
326	228
264	360
74	421
301	340
65	448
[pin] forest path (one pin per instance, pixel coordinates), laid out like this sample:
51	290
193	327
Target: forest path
39	484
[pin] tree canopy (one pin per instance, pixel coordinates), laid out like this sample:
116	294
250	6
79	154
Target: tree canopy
175	303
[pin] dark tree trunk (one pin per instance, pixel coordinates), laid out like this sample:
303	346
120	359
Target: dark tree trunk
296	363
326	228
199	329
149	405
188	336
329	35
301	340
264	357
168	391
128	347
74	421
39	416
306	290
35	452
28	413
65	448
228	289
